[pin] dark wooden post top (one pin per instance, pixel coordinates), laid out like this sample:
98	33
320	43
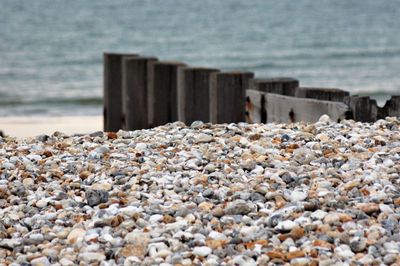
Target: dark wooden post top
112	90
279	85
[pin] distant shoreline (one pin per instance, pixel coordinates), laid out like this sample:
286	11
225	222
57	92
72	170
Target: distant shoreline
31	126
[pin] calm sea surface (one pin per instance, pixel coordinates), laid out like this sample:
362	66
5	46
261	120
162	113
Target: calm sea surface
51	50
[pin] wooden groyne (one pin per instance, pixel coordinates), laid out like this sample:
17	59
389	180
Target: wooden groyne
143	92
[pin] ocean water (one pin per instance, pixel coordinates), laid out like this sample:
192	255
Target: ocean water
51	50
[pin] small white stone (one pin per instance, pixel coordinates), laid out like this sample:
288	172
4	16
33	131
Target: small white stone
38	238
8	166
203	138
286	225
136	237
385	208
344	252
141	146
66	262
324	119
249	230
41	261
391	247
318	215
258	149
202	251
91	257
300	262
298	195
156	218
217	235
41	203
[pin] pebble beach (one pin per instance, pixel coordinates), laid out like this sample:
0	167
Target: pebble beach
321	193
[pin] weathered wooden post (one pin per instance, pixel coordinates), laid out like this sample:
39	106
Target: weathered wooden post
228	96
137	79
112	90
194	94
363	108
325	94
164	105
283	86
392	107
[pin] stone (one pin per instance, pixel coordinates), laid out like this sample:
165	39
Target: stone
239	207
66	262
76	235
202	251
91	257
286	225
298	195
41	261
96	197
344	252
203	138
358	244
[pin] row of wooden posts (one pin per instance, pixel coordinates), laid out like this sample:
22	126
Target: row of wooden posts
143	92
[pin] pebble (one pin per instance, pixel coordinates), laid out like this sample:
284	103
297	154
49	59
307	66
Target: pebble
41	261
232	194
298	195
239	207
202	251
76	235
95	197
286	225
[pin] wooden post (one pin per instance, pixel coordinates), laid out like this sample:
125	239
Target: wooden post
363	108
112	90
255	106
164	105
194	94
391	108
228	96
283	86
137	78
326	94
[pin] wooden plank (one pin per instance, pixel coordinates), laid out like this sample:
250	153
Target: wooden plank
194	94
284	109
280	85
136	81
326	94
228	96
165	93
112	90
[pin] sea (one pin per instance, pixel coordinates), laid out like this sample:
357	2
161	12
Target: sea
51	51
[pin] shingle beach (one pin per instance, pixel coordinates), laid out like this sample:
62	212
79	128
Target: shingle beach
232	194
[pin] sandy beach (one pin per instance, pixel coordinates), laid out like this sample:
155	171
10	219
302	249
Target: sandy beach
22	127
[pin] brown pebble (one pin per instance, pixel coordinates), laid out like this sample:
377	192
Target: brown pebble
297	233
275	255
215	243
295	254
279	201
314	253
168	219
84	174
368	208
323	243
112	135
47	153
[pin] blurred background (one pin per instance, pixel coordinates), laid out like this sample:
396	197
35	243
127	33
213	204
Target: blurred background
51	50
